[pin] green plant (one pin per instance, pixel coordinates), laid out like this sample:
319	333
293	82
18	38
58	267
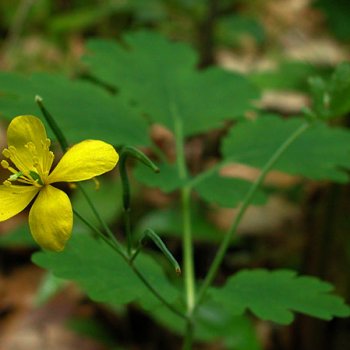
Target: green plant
149	80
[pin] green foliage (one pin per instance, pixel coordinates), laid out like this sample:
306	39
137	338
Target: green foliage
337	14
162	80
226	191
89	15
231	29
147	79
331	97
274	295
82	109
104	275
167	179
214	323
321	153
108	192
168	222
289	75
81	18
18	237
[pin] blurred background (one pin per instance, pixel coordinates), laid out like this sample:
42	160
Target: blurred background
279	45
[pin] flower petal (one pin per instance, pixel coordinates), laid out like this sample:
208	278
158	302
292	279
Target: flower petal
51	219
13	199
84	161
23	130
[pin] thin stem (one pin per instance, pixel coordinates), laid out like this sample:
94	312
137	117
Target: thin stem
53	125
155	292
17	24
187	243
126	199
188	340
242	209
100	234
188	249
107	230
132	266
202	176
126	152
186	219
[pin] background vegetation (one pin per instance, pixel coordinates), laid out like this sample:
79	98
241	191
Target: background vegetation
290	54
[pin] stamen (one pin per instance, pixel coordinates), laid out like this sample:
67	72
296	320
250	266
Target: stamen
48	156
15	159
6	153
47	144
7	183
26	181
5	164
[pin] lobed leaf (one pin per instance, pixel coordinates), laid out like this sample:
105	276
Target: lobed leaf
275	295
168	222
214	323
226	191
82	110
104	275
161	78
321	153
167	180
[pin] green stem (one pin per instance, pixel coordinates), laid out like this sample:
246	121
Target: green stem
100	234
155	292
187	244
105	227
52	123
126	152
188	250
186	219
242	209
130	262
188	340
126	199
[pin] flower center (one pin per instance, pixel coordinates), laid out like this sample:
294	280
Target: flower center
30	165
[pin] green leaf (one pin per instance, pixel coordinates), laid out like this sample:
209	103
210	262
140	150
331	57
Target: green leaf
81	109
331	97
213	323
289	75
19	237
168	222
231	29
104	275
167	179
226	191
107	199
274	295
80	19
337	14
320	153
161	78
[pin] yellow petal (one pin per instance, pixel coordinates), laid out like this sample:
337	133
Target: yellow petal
84	161
51	219
13	199
22	131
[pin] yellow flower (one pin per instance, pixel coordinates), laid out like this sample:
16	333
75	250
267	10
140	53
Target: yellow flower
30	162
